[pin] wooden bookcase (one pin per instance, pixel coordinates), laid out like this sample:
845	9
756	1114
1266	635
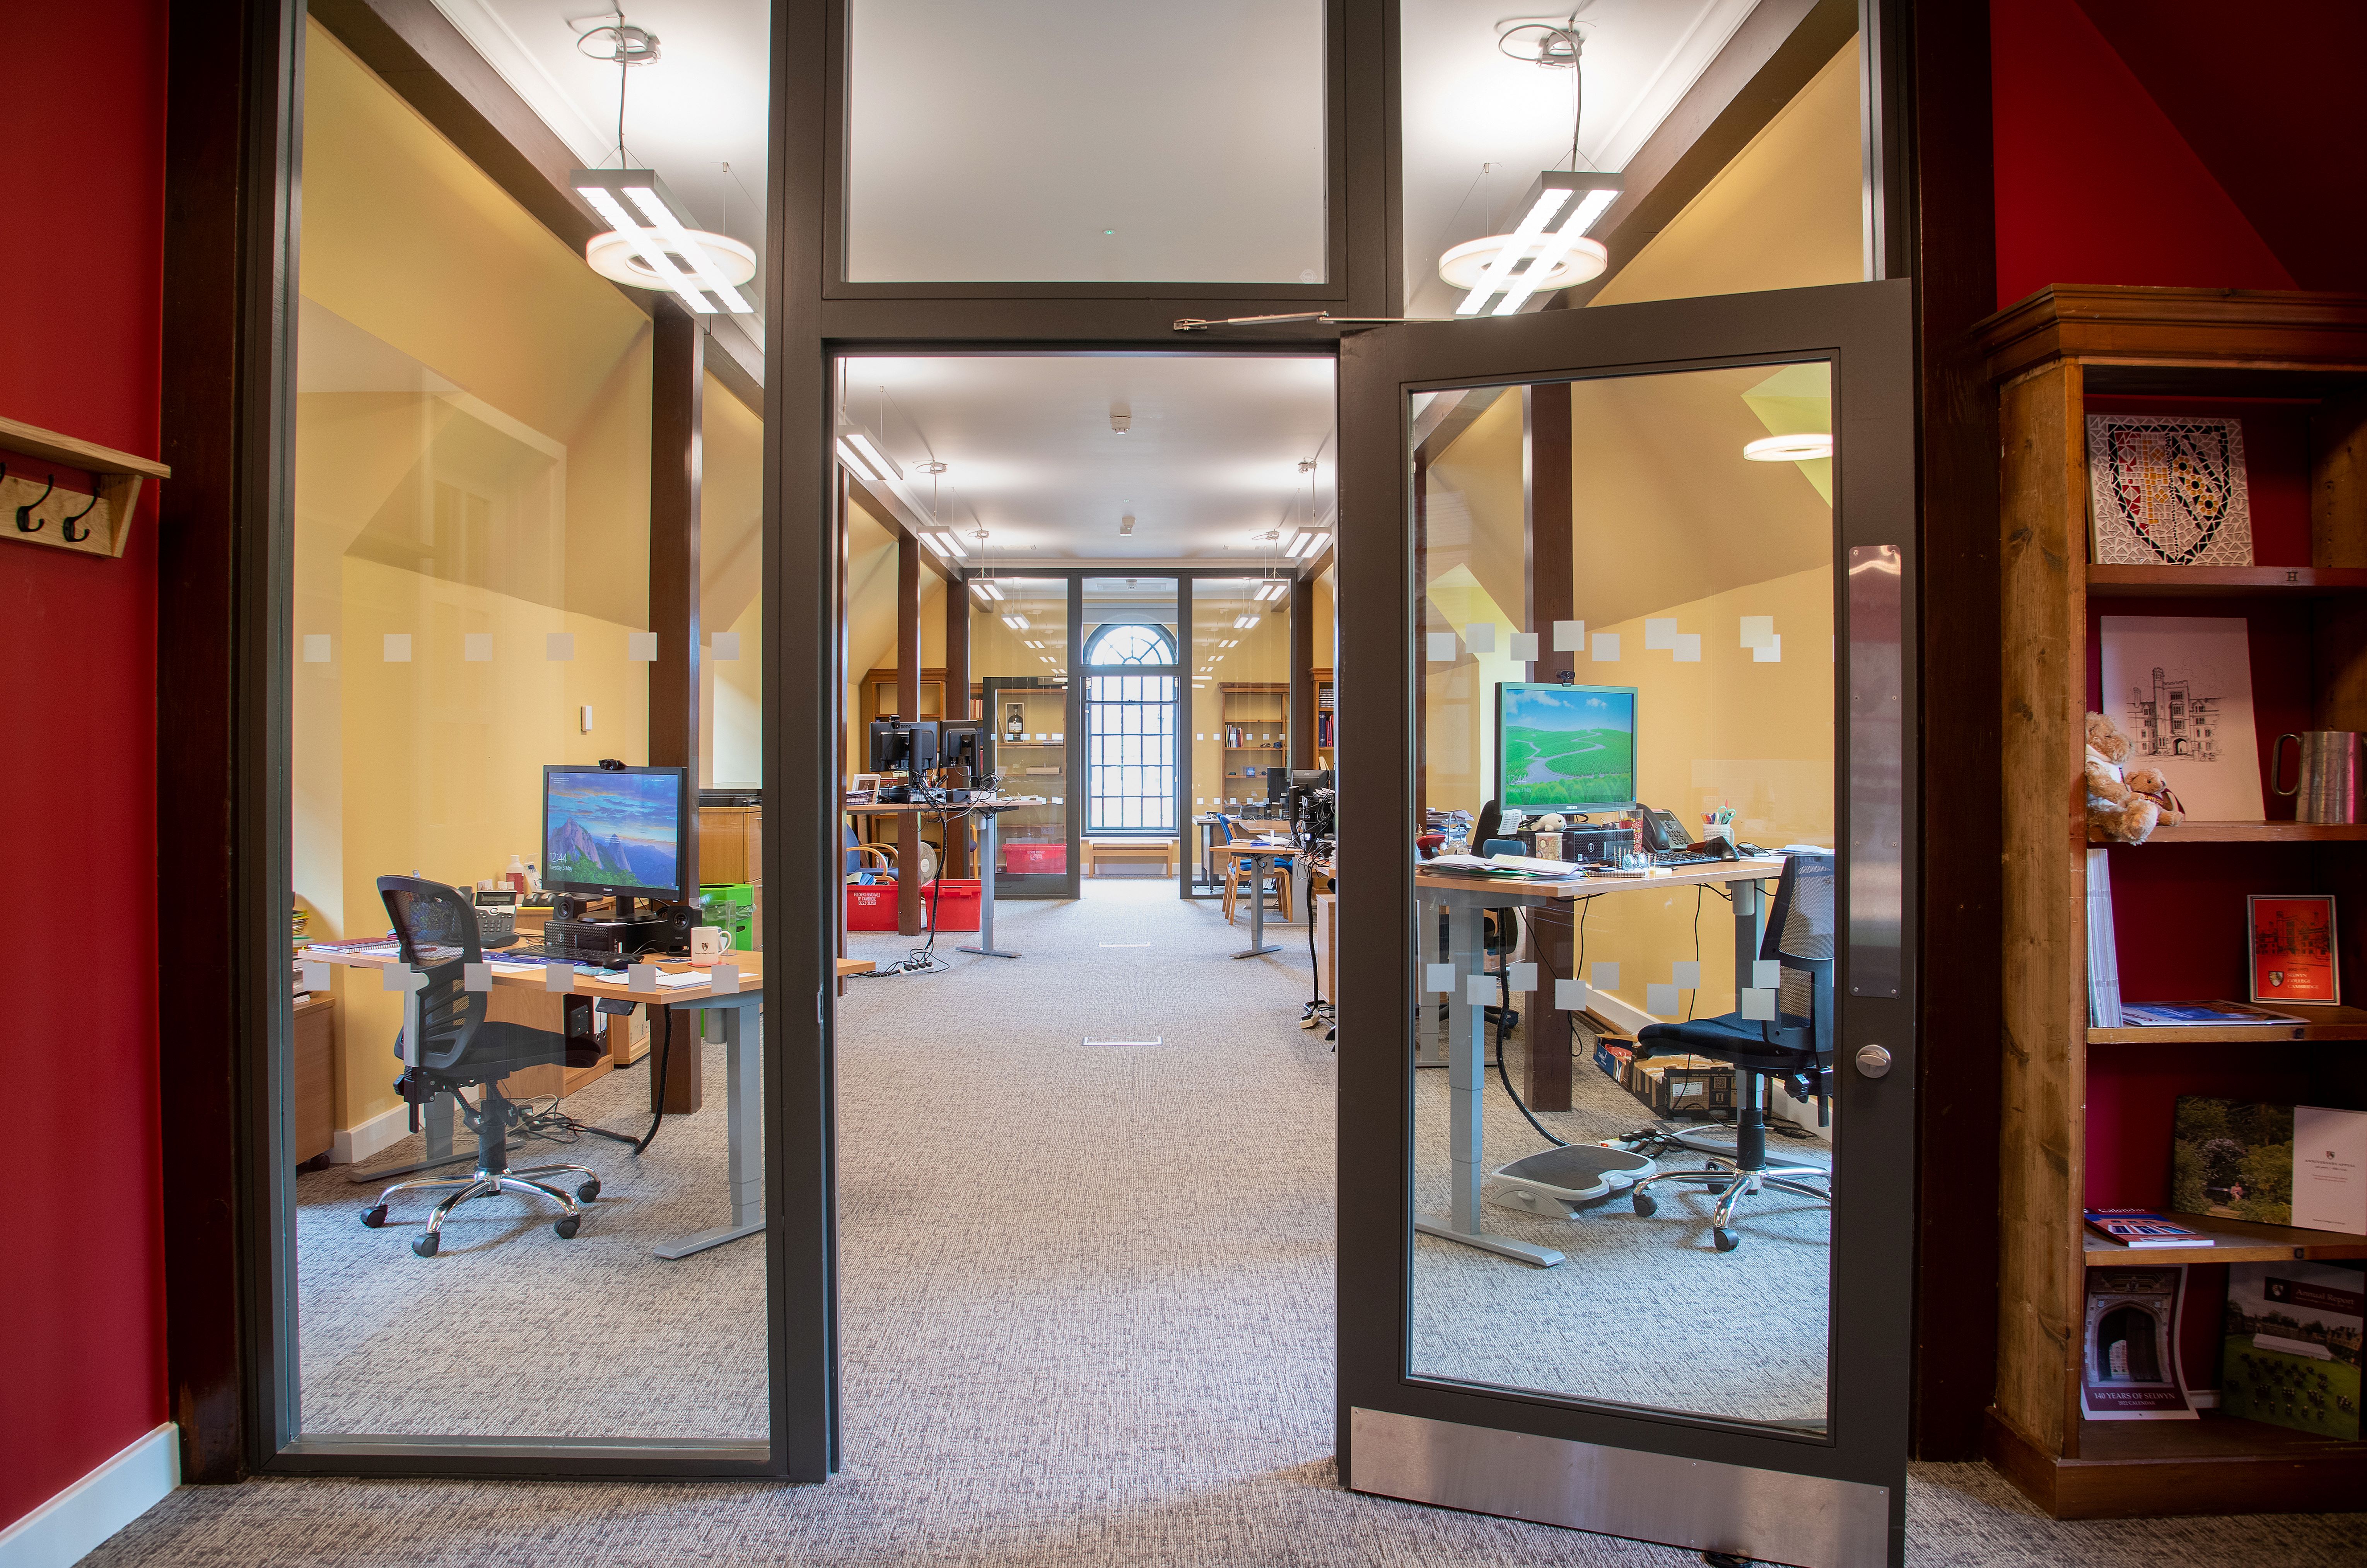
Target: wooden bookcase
2085	1110
1257	713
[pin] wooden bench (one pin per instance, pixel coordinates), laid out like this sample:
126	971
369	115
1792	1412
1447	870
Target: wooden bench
1122	850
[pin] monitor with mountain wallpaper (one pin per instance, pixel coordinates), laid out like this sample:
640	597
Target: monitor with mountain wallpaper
614	831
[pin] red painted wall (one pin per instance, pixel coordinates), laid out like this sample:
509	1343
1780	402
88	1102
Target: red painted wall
82	1359
2094	184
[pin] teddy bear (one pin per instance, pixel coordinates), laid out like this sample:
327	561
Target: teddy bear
2117	814
2148	782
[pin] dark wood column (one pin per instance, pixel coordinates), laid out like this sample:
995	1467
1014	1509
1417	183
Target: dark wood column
1546	495
908	703
1302	673
677	384
957	705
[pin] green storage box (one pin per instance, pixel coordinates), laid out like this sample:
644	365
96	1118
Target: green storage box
732	907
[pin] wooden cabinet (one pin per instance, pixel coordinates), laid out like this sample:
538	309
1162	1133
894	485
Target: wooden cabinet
2086	1112
731	845
312	1081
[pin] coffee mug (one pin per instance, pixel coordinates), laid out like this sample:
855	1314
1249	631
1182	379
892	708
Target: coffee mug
709	943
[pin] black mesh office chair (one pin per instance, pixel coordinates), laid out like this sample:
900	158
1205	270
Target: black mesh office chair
459	1046
1795	1048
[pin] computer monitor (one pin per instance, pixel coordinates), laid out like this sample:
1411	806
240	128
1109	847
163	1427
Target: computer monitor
1277	784
615	832
1564	748
960	746
901	745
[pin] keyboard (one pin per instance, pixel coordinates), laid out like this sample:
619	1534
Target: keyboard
1679	857
563	953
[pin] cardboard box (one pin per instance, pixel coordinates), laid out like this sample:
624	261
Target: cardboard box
1685	1086
2290	1356
1615	1060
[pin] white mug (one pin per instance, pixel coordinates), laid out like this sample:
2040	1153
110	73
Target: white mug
707	944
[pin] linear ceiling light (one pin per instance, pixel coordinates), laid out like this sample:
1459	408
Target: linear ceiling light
855	460
666	254
882	469
1788	448
1551	237
934	543
1243	623
1016	622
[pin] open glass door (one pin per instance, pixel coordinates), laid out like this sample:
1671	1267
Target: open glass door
1635	1255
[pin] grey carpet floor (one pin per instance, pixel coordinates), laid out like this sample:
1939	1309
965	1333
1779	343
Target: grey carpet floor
1087	1304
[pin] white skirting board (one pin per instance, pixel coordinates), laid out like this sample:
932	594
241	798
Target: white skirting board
352	1145
70	1525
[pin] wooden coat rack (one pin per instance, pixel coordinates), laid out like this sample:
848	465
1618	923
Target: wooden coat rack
37	509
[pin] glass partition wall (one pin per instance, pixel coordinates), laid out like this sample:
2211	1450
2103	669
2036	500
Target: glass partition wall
500	727
1019	649
1625	625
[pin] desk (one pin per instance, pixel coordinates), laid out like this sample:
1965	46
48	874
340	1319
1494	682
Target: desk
734	1020
1464	898
1257	896
987	813
1204	865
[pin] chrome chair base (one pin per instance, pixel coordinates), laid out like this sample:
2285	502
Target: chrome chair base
491	1184
1733	1184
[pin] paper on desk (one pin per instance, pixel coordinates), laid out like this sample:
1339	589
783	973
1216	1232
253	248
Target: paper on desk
688	977
503	967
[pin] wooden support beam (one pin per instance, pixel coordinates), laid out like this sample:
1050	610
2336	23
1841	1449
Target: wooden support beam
1552	593
677	387
908	703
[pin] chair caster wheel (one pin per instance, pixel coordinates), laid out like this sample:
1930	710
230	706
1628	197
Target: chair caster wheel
374	1217
425	1245
566	1225
1726	1240
1646	1204
588	1191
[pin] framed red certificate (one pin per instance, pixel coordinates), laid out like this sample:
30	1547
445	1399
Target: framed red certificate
2293	958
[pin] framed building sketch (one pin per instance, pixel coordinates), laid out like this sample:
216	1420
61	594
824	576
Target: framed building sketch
2180	687
2293	958
2166	490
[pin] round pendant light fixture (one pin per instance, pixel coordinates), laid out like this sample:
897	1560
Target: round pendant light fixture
621	258
1580	260
1789	448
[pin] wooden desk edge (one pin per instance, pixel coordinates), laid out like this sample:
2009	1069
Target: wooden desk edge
753	983
1587	887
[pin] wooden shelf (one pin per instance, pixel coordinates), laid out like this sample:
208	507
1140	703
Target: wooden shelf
2219	582
2260	833
2236	1241
2325	1024
2219	1464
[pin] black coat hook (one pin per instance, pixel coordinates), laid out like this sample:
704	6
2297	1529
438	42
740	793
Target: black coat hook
66	525
24	525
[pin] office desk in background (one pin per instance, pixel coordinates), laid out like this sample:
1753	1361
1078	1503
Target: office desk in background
1465	899
983	815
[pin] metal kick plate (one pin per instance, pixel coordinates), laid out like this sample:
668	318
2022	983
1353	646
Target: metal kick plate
1768	1515
1877	781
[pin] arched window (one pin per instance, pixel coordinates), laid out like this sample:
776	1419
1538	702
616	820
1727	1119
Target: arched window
1131	644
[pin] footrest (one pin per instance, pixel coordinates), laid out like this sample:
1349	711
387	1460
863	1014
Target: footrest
1561	1183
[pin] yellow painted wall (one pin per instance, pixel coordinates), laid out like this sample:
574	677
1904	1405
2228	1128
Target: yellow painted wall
731	569
1787	212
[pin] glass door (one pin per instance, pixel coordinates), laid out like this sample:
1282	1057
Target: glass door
1631	1282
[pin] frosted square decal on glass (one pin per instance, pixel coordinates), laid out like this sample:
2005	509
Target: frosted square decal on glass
1758	1005
1660	632
1441	647
1685	974
316	977
558	646
1569	995
1524	978
1767	974
1770	652
1570	637
398	647
641	647
1603	976
1480	637
559	977
1524	647
400	977
1479	989
476	977
1660	1001
477	647
724	645
1686	650
642	977
1758	631
1606	647
316	648
723	980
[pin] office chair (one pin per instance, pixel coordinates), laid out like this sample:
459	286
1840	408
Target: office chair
436	928
1795	1046
1255	869
880	857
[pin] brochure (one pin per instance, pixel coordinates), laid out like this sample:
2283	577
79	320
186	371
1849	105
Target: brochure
2273	1164
2144	1228
2292	1351
2192	1015
2129	1369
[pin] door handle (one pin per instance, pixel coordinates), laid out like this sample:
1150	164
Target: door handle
1873	1060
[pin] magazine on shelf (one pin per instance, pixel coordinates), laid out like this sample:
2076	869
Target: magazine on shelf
2105	1009
2144	1228
2201	1014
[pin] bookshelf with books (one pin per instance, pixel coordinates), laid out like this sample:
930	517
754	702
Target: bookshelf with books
1327	720
1254	719
2088	1109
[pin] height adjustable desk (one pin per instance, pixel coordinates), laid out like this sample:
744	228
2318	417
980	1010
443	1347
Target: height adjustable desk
1465	898
733	1019
988	813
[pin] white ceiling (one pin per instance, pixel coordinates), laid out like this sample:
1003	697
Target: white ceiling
1466	104
1211	460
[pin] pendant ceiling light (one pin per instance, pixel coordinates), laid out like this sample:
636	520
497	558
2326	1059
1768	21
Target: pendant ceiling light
1547	247
653	242
1789	448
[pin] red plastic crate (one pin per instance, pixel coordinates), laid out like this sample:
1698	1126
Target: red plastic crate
873	908
1025	858
953	901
